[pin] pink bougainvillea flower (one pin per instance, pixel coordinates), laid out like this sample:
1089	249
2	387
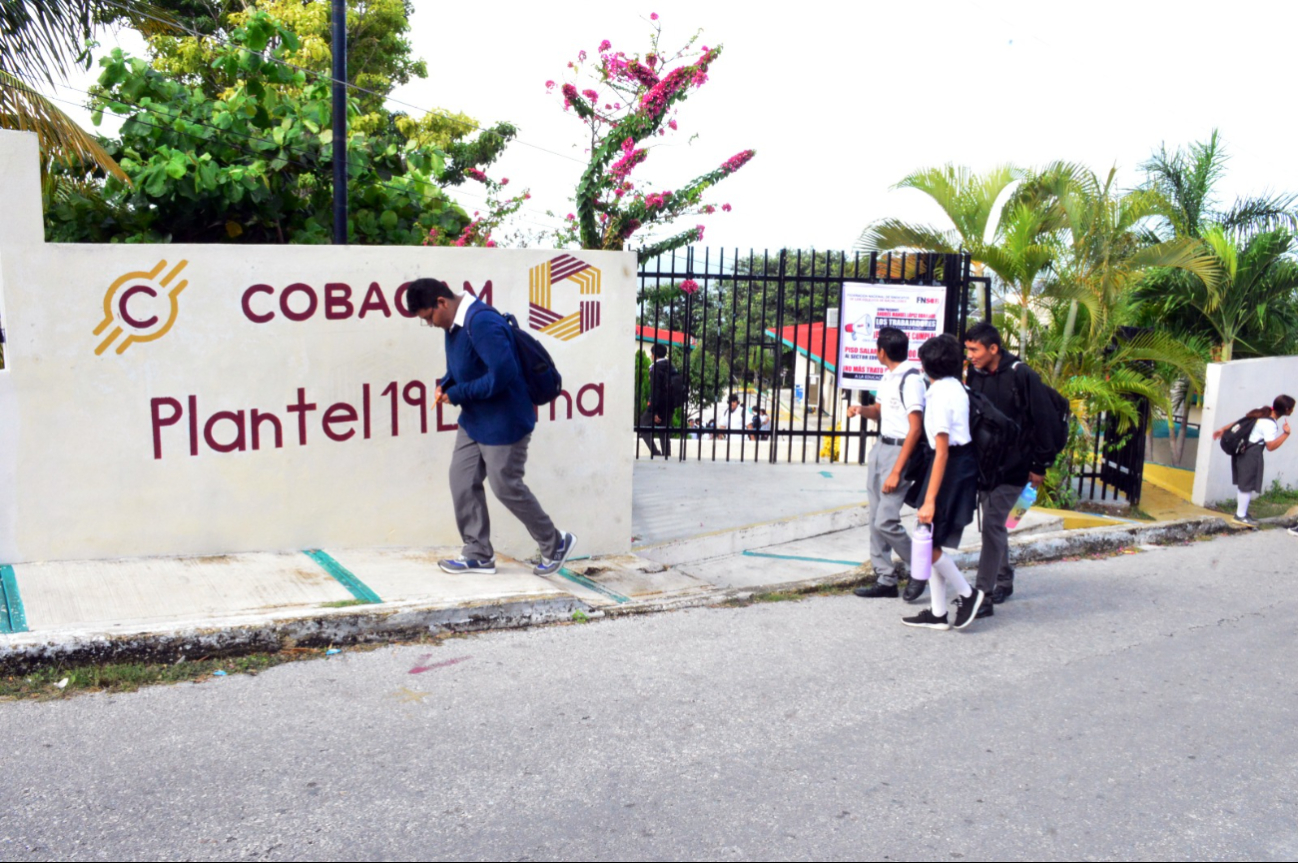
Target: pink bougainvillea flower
653	16
737	161
591	95
581	55
549	85
725	208
477	175
709	209
491	244
504	181
673	125
571	217
699	238
604	46
689	286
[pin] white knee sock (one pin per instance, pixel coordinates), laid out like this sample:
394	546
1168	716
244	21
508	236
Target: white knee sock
937	591
1244	498
952	576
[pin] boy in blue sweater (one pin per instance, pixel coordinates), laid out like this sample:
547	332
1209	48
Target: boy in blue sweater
496	420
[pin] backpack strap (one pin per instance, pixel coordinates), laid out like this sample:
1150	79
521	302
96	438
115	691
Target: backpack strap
901	387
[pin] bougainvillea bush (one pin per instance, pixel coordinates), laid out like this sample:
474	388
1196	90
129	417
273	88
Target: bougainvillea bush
626	101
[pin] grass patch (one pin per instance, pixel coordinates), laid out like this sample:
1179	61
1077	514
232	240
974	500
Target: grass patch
1138	513
345	603
798	595
130	676
1274	502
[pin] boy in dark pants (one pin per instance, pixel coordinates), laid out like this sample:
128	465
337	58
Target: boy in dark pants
1017	391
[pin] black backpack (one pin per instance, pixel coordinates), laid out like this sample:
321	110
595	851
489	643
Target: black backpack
1235	439
1052	429
675	389
994	437
543	381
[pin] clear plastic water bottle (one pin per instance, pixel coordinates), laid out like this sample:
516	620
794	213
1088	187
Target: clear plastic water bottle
921	552
1022	505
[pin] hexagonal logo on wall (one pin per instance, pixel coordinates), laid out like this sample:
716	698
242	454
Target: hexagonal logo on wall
548	291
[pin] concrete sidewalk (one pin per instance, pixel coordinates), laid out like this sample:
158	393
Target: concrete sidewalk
708	532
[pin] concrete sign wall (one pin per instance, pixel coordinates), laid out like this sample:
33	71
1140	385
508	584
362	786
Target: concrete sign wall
162	399
1232	390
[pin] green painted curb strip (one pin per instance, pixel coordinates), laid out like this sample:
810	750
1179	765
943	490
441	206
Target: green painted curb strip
796	557
343	576
598	588
12	616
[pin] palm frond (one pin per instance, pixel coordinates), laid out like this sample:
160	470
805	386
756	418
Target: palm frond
892	234
25	110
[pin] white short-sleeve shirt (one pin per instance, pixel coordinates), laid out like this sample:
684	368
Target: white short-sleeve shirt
947	410
1264	431
893	408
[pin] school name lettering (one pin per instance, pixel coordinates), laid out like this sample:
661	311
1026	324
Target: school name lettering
183	427
337	301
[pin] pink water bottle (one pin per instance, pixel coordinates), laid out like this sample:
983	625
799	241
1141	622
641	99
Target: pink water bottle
921	552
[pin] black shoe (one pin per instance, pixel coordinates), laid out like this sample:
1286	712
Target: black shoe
928	620
985	610
914	589
967	607
1002	592
873	590
1246	521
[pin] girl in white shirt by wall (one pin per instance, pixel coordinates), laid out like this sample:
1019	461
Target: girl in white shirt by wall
948	495
1246	467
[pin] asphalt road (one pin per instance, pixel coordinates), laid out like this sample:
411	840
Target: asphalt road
1138	707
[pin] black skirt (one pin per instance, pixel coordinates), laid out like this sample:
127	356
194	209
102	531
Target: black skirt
957	497
1246	468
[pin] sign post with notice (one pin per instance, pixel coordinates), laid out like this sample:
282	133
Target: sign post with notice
868	307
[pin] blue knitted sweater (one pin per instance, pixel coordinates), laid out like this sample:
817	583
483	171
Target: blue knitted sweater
485	381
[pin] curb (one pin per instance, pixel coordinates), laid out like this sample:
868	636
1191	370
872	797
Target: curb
244	636
352	626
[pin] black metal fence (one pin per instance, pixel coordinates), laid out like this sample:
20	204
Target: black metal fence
1116	462
763	326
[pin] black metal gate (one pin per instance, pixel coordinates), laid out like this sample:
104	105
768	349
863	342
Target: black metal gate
763	327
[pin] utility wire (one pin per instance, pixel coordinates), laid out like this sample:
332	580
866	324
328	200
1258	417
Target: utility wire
329	77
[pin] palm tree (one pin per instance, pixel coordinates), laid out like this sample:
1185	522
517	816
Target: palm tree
1013	240
39	40
1109	247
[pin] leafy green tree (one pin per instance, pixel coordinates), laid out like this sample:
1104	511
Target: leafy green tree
253	163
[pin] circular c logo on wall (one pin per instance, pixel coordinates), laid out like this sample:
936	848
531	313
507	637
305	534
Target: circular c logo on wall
140	305
544	279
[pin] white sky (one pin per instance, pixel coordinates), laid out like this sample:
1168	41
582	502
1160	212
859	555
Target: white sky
842	100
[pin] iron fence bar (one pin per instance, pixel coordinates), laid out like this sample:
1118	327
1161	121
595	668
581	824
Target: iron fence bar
797	284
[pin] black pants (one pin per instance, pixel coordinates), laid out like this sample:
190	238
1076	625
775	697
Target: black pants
659	432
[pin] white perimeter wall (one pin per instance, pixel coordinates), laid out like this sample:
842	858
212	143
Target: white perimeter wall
1233	389
92	466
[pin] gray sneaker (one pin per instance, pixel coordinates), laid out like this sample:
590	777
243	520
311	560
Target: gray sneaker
550	567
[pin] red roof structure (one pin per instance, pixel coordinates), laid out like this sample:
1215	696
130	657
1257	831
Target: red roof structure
655	335
813	341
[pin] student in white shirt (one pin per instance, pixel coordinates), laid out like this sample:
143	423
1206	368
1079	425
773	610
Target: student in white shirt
948	494
1246	467
900	413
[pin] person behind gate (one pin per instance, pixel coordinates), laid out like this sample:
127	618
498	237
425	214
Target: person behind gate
1017	392
496	420
658	408
900	413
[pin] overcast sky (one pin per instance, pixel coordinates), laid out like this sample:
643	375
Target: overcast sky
840	101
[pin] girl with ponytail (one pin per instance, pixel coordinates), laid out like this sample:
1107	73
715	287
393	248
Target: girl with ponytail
1246	466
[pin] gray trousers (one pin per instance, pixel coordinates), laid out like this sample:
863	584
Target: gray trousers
994	561
886	533
664	445
503	466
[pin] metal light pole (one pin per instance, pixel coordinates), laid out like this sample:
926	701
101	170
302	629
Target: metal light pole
340	121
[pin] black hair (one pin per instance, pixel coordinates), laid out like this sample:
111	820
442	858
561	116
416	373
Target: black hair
894	343
733	398
424	294
985	334
659	350
941	357
1283	407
